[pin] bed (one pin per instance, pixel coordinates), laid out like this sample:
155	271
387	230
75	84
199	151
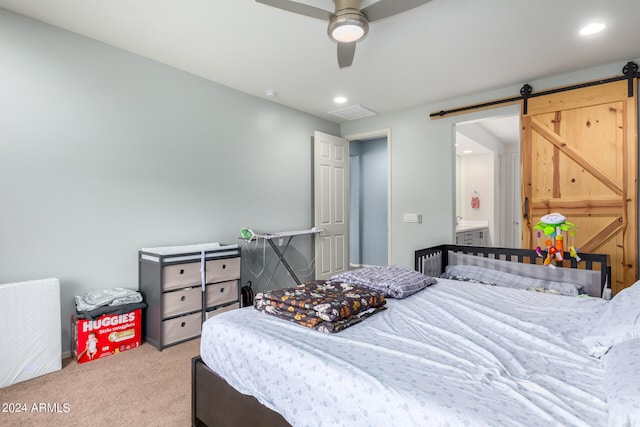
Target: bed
459	352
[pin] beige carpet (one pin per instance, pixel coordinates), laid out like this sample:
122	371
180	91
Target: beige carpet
138	387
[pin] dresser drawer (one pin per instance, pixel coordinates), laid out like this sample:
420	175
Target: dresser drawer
217	311
220	293
181	301
181	328
223	269
181	275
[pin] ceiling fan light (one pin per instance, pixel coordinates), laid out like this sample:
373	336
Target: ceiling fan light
348	28
347	33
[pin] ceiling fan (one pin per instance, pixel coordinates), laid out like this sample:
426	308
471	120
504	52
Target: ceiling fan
349	23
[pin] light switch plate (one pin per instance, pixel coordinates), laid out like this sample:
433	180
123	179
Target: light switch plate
412	217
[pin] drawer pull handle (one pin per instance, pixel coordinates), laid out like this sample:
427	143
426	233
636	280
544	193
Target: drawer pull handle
182	298
183	324
221	289
224	266
182	271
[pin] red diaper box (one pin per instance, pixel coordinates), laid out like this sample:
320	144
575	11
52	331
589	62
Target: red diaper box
106	335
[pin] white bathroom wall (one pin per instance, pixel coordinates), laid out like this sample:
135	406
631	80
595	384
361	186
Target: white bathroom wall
477	173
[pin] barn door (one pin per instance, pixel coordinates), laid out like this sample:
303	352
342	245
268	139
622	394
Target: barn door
579	158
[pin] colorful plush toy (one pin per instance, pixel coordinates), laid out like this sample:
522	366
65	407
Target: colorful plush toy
553	226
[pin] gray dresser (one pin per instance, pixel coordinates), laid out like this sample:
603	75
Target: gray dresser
185	285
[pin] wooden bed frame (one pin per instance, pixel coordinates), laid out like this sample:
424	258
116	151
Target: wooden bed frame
215	403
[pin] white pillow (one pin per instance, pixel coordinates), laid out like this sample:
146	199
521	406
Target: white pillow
620	322
489	276
589	280
622	383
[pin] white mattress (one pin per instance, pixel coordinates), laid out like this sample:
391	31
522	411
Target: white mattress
453	354
30	333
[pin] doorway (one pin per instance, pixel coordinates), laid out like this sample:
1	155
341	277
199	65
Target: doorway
369	199
488	178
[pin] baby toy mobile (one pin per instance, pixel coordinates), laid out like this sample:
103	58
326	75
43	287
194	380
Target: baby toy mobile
554	225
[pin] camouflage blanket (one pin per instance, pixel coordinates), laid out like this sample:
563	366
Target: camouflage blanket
322	305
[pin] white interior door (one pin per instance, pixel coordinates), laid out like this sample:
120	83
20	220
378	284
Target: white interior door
331	207
516	209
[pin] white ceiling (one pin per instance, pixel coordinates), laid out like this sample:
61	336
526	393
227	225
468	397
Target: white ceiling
506	129
438	51
466	146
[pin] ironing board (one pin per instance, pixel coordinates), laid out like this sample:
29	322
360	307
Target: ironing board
288	235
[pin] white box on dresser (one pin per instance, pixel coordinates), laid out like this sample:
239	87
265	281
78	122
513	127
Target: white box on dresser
30	330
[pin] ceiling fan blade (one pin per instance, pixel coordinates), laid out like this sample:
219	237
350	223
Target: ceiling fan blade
386	8
346	52
299	8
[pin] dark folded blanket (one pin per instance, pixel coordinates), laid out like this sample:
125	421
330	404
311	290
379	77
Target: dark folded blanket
322	305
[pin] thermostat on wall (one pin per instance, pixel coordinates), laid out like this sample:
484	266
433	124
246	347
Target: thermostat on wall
412	217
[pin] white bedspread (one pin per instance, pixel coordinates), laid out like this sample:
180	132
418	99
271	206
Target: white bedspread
453	354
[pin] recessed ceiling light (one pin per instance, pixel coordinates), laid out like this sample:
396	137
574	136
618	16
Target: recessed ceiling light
592	28
339	99
270	92
467	152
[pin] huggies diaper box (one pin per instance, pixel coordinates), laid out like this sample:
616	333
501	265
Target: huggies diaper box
106	335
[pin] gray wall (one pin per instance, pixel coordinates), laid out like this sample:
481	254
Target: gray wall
368	226
103	152
355	202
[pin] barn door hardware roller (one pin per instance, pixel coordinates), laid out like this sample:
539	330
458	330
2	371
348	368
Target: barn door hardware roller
525	91
630	71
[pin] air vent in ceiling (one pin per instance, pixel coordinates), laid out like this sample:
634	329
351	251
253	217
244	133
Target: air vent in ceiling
354	112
